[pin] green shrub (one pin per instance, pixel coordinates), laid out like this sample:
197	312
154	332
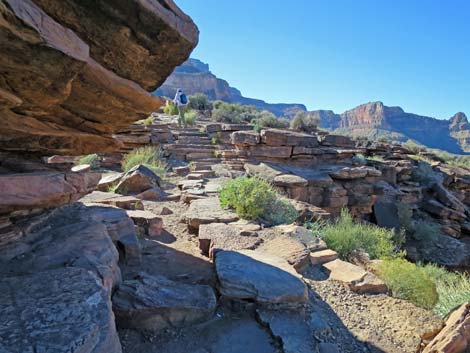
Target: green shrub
383	139
268	119
93	160
200	102
346	235
413	146
305	122
214	140
150	157
453	288
170	108
253	198
408	281
233	113
191	117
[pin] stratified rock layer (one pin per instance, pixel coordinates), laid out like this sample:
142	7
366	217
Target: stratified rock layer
74	72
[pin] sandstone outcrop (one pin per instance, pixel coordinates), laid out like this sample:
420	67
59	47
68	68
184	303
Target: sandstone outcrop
258	276
155	302
454	336
76	72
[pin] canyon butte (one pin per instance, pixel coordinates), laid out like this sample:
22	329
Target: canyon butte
372	120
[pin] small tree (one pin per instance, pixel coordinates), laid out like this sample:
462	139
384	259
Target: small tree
305	122
200	102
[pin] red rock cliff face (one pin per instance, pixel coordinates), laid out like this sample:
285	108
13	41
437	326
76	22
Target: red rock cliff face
73	72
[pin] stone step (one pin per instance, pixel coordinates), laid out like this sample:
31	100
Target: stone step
189	148
193	140
199	155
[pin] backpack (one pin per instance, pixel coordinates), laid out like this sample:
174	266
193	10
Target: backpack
183	99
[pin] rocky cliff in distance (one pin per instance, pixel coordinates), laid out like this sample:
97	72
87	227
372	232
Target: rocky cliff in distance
375	119
74	72
194	77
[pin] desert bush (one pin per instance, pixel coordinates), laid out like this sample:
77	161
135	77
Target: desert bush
170	108
453	288
150	157
305	122
191	117
268	119
346	235
383	139
200	102
408	281
233	112
93	160
413	146
253	198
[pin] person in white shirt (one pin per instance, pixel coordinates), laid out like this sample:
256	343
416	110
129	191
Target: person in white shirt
181	101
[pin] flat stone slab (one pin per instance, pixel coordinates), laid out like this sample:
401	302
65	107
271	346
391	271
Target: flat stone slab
107	180
155	302
109	198
290	327
57	311
258	276
215	237
305	236
290	249
356	278
207	211
323	256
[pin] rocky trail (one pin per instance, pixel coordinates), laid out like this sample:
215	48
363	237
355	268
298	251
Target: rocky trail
97	260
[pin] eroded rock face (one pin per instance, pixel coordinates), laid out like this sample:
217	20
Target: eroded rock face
155	302
74	72
455	336
258	276
61	310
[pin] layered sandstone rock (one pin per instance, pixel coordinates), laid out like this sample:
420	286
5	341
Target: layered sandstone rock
74	72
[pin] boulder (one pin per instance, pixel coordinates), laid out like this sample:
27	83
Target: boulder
303	235
323	256
215	237
277	137
386	214
290	181
349	173
447	198
245	138
137	180
357	279
108	180
290	328
153	303
65	52
149	223
258	276
43	189
436	208
290	249
270	151
454	336
207	211
110	198
59	310
337	140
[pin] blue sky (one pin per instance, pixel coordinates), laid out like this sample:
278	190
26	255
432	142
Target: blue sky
337	54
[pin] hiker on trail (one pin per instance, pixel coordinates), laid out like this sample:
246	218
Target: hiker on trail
181	100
